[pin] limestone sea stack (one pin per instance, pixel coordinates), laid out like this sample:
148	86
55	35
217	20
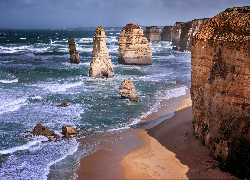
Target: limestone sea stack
74	55
127	90
134	48
152	33
176	33
220	81
101	65
166	34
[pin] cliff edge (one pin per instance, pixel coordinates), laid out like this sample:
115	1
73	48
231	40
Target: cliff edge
220	81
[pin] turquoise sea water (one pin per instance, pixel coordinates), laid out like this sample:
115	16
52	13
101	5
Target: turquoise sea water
35	75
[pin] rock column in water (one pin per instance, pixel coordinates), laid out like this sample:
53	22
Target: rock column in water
152	33
74	55
220	81
127	90
134	48
101	65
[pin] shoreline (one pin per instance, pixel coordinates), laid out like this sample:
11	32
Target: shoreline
137	153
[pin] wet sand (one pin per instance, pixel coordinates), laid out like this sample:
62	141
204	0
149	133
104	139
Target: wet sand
168	150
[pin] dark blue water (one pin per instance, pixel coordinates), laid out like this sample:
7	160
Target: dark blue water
35	75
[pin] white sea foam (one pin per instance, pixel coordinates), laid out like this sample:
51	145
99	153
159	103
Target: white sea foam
36	140
9	81
71	149
86	40
59	87
11	105
22	38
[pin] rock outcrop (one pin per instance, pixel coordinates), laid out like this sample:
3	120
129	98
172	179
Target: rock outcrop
220	81
101	65
166	34
43	131
134	48
188	31
64	104
152	33
176	33
68	130
127	91
74	55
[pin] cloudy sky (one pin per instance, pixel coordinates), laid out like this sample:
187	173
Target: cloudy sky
48	14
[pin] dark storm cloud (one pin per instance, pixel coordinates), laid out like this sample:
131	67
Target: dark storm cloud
85	13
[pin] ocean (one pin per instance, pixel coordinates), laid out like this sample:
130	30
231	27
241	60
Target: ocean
35	75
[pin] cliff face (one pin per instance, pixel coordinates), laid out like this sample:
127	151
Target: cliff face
220	81
176	33
101	65
152	33
74	55
134	48
188	31
166	34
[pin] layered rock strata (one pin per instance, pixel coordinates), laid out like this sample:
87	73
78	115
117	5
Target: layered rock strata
166	34
74	55
152	33
220	81
127	90
101	65
134	48
188	31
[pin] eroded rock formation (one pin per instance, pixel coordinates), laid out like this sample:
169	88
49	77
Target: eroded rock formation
152	33
166	34
74	55
43	131
176	34
68	130
134	48
220	81
188	31
101	65
127	90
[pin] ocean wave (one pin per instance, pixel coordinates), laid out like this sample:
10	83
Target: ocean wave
37	140
9	81
59	87
12	105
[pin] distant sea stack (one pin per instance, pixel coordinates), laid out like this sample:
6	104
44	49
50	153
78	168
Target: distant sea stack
134	48
166	34
74	55
176	33
101	65
220	81
152	33
188	31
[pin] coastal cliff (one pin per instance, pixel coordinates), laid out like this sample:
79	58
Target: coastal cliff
134	48
101	65
152	33
188	31
220	81
176	33
166	34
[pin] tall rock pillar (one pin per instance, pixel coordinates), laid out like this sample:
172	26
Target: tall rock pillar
101	65
74	55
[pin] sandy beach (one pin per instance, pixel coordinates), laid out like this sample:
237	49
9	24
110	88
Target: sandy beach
155	150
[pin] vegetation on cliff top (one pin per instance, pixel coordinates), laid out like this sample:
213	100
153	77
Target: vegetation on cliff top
233	24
